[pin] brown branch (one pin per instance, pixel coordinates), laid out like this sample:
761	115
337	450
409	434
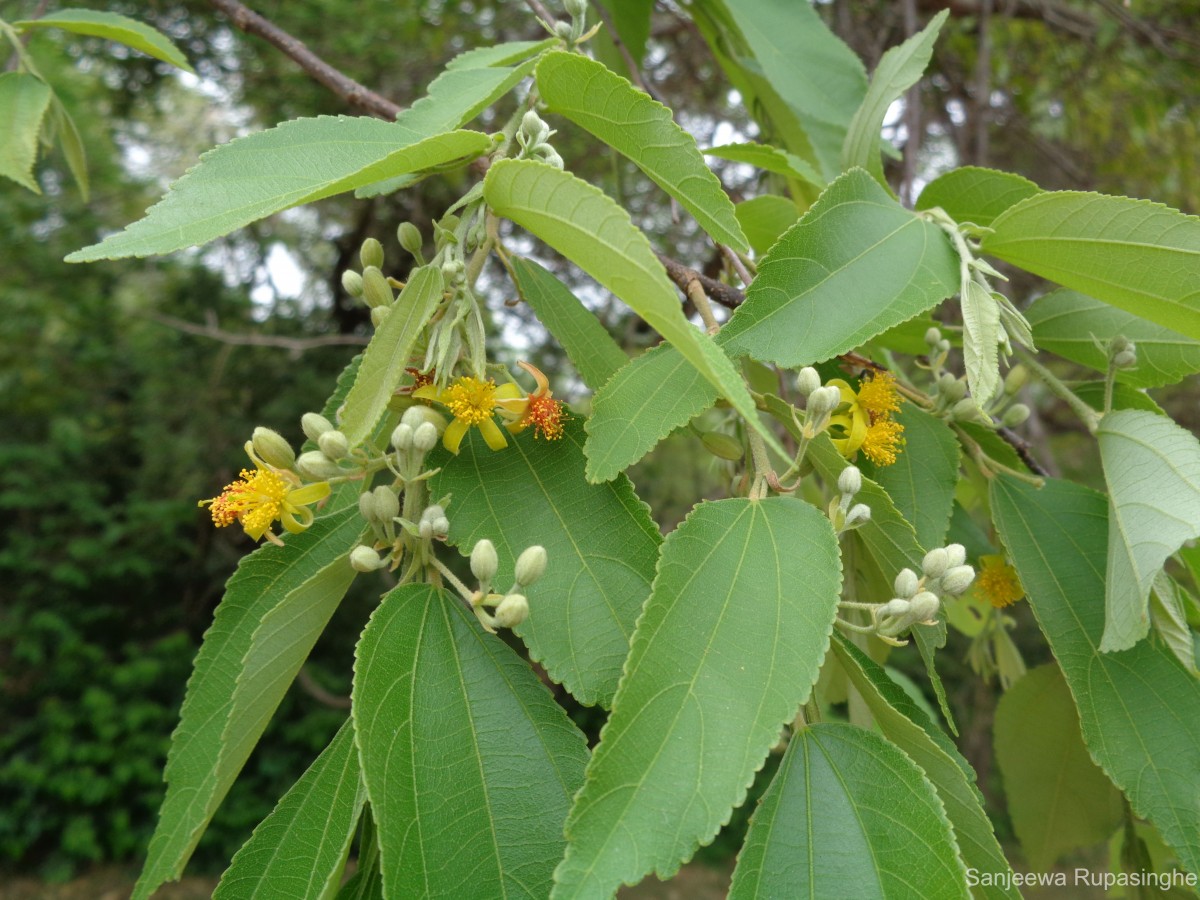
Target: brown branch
309	685
728	296
635	73
295	346
343	85
1023	450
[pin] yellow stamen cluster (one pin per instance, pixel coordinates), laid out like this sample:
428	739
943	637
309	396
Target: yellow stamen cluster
878	396
546	414
470	400
883	441
998	582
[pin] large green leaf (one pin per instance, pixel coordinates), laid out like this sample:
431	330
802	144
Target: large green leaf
856	264
1139	710
469	764
1057	797
300	849
1070	324
640	128
848	814
591	230
112	27
226	708
898	70
650	397
764	219
972	194
1152	469
595	355
922	480
297	162
1134	254
384	360
24	100
601	543
907	726
728	647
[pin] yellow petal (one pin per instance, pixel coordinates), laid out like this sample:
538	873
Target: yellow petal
543	386
454	435
492	434
310	493
509	391
855	427
299	520
428	392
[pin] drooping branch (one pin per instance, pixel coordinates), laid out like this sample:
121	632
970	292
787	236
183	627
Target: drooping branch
727	295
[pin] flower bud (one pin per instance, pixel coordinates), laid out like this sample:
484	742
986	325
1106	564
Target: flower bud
936	562
387	504
724	446
441	527
402	437
860	514
425	529
956	555
563	30
1015	415
371	253
1015	379
432	512
575	8
1126	359
965	410
824	400
418	413
364	559
944	346
409	237
378	315
895	607
1119	344
376	290
366	506
334	444
484	561
425	437
272	448
933	336
951	388
512	611
808	380
924	607
315	466
530	565
314	425
957	580
352	283
850	481
906	583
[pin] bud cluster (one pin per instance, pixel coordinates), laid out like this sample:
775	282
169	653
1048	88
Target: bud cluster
918	598
533	137
511	607
842	514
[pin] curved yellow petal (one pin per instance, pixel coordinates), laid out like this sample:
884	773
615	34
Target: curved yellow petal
454	435
295	522
492	434
513	406
310	493
543	386
428	392
509	391
855	426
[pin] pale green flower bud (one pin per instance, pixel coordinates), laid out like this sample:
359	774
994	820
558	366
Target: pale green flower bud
272	448
314	425
530	565
432	512
1126	359
936	562
452	270
441	527
951	388
315	466
387	504
956	555
415	415
906	583
808	380
425	529
425	437
859	514
352	283
824	400
379	314
334	444
409	237
924	607
402	437
898	606
512	611
957	580
376	290
1015	379
1015	415
933	336
484	561
944	346
371	253
366	506
724	446
1120	344
965	410
576	8
850	481
364	559
563	30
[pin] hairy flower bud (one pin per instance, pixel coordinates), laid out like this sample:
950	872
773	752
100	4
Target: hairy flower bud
484	561
906	583
530	565
352	283
402	437
808	380
933	336
895	607
409	237
315	466
371	253
376	290
936	562
334	444
364	559
1126	359
575	8
441	527
724	446
951	388
366	506
314	425
824	400
956	555
924	607
859	514
512	611
1015	415
957	580
387	504
425	437
415	415
1015	379
850	481
272	448
966	410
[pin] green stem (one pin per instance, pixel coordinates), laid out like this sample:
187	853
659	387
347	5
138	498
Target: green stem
1088	415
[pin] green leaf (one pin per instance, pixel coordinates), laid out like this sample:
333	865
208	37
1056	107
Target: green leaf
856	264
1134	254
388	353
922	480
588	228
300	849
469	764
764	219
112	27
770	159
71	143
904	723
1138	709
297	162
898	70
1168	615
640	128
1123	396
1069	323
506	53
24	100
981	341
728	646
275	606
972	194
595	355
631	18
1152	469
601	543
650	397
1058	799
848	808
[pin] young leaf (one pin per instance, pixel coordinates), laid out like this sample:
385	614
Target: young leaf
71	143
1138	709
595	355
388	353
588	228
898	70
1168	615
972	194
1058	798
1152	469
769	159
1069	323
224	712
640	128
1134	254
112	27
469	764
848	808
297	162
650	397
727	648
24	100
764	219
981	336
902	722
300	849
856	264
601	543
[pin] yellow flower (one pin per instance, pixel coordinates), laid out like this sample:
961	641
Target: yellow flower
471	401
877	394
883	441
998	581
261	496
538	409
867	424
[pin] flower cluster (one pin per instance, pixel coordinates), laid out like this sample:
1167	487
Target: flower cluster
867	424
